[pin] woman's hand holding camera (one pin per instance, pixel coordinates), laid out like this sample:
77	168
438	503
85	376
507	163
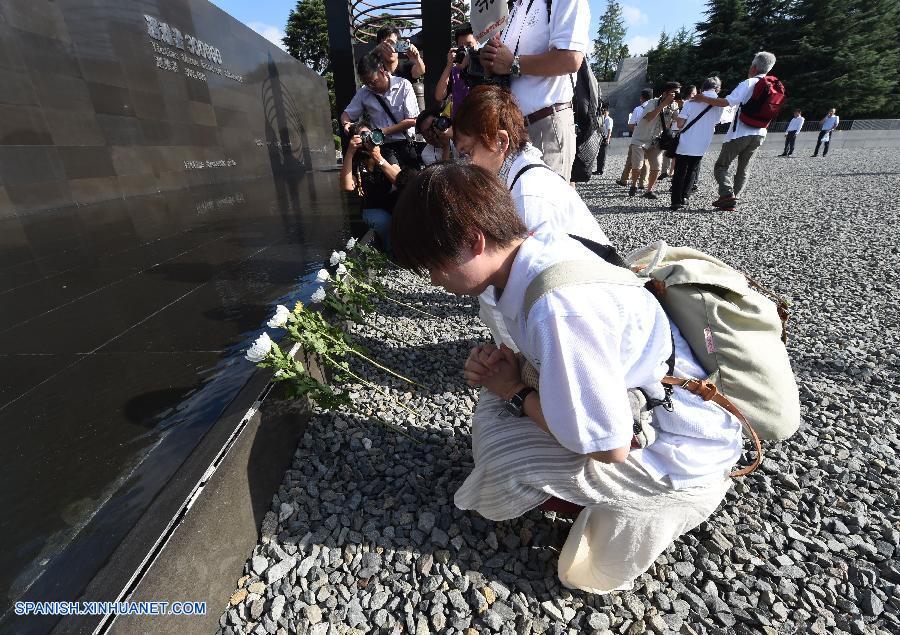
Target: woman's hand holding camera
376	154
354	144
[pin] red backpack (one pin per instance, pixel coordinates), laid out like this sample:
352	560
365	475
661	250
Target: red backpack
764	103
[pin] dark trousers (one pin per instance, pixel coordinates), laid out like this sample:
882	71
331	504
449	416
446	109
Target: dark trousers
789	141
686	168
601	157
404	152
822	133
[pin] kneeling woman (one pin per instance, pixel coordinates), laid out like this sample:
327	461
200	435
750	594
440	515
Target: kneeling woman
591	343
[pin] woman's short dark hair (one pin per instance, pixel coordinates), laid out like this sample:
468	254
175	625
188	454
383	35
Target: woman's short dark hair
487	110
444	209
369	64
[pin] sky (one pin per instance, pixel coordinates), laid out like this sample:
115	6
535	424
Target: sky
644	19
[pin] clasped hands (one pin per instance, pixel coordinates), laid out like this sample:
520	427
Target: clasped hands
496	56
497	369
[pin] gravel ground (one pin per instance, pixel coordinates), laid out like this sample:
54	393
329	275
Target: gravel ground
363	535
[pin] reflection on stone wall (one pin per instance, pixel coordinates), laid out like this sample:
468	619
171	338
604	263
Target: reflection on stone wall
115	98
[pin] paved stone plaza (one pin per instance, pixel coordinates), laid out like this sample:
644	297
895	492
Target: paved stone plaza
363	535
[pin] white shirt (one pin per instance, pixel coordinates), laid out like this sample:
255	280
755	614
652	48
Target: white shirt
591	343
636	115
567	29
741	93
400	98
696	140
546	204
606	126
796	124
432	154
830	122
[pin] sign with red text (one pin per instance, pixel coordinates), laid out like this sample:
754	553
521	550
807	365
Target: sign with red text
488	17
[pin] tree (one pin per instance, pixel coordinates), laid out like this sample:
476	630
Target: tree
307	35
306	39
724	45
609	43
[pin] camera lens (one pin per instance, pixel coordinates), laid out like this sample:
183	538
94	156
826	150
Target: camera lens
376	137
442	123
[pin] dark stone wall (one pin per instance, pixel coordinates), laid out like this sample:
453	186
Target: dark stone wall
115	98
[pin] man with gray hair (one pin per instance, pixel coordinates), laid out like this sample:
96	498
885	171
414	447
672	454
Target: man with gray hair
748	130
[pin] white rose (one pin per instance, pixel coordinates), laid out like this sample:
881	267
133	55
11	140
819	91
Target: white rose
260	348
351	244
280	318
323	275
342	255
340	271
318	295
335	258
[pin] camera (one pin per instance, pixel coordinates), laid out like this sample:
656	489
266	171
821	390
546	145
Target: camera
460	55
476	75
442	123
370	138
402	46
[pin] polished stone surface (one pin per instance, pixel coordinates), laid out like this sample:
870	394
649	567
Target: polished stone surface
163	184
109	99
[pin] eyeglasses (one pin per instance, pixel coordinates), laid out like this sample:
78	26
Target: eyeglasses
371	82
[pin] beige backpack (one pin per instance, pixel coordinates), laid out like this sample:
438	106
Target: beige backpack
733	328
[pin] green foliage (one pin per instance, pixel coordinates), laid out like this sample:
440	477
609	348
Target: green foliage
830	53
609	43
306	35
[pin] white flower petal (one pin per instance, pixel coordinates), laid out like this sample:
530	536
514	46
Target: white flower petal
323	275
341	270
351	244
342	255
280	318
318	295
260	348
335	258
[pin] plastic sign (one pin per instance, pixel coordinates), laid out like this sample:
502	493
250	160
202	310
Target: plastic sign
488	17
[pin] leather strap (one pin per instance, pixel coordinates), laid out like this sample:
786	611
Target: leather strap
709	392
546	111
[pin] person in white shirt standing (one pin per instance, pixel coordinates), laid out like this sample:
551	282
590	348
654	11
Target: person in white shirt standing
541	46
829	124
742	140
790	135
697	123
606	128
633	119
569	440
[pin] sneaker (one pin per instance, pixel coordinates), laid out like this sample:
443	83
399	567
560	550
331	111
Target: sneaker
815	155
649	194
676	207
622	183
662	176
640	187
632	191
724	201
783	154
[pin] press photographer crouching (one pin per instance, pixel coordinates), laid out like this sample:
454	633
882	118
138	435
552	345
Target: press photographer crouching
371	176
437	130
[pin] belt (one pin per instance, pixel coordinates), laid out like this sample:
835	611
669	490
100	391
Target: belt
546	111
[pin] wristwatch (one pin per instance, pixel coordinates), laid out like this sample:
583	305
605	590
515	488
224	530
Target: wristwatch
515	405
515	69
381	163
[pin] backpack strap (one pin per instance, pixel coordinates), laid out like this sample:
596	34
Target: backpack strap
574	272
525	169
708	392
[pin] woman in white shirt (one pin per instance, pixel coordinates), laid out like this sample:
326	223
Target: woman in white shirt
489	130
591	343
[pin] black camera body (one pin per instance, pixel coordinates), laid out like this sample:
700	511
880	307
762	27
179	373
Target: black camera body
460	55
370	138
476	75
442	123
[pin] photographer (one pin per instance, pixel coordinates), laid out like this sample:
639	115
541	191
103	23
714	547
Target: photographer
451	81
659	113
438	133
372	177
411	69
541	45
389	103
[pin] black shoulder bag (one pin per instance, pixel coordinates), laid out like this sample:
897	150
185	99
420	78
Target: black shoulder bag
676	136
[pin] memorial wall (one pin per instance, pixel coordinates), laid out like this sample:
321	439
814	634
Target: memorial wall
116	98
